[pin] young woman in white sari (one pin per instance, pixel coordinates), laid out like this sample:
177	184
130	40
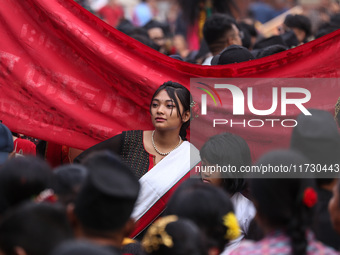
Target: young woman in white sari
161	158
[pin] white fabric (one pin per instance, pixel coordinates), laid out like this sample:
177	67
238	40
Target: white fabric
162	177
207	61
245	212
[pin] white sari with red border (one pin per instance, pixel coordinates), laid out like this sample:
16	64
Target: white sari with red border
159	183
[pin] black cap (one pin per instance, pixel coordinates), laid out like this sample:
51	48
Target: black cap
232	54
263	43
290	39
317	137
109	193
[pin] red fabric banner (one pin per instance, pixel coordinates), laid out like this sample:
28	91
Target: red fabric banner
69	78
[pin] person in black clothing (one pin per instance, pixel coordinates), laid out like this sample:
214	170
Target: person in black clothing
103	207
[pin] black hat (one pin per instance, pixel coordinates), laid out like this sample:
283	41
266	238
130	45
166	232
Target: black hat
81	248
317	137
290	39
270	50
263	43
232	54
109	193
6	143
67	181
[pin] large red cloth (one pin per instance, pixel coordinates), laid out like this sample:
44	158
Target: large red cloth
69	78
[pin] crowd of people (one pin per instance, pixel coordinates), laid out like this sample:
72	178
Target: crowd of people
132	194
136	185
195	31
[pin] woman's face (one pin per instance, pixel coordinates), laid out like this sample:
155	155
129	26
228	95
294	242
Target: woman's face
164	113
210	175
334	209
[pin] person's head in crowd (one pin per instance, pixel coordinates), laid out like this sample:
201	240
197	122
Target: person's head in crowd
125	26
325	29
76	247
328	27
285	205
191	9
287	39
171	235
225	149
146	41
265	42
23	178
220	31
181	47
210	208
300	25
245	35
67	180
249	34
271	50
6	143
232	54
323	14
317	137
182	99
334	208
156	33
33	229
141	35
103	207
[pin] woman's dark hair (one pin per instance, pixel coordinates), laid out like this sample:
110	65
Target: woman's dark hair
184	236
227	149
176	90
279	202
205	205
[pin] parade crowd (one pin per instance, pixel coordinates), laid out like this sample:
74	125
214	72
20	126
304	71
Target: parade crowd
136	193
